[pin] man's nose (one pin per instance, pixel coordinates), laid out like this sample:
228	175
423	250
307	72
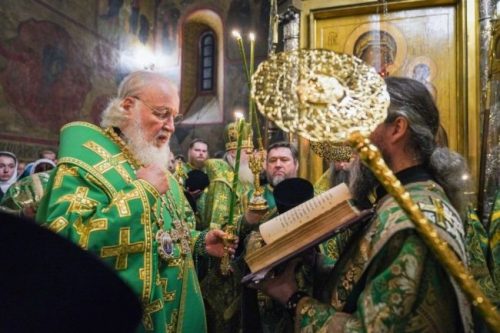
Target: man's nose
168	125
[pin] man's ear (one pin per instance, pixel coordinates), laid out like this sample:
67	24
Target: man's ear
399	129
127	104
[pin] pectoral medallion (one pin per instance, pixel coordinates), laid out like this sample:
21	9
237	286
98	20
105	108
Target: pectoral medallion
165	244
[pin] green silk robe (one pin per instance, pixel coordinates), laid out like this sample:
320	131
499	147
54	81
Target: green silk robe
494	243
27	192
273	317
222	294
476	242
95	200
387	280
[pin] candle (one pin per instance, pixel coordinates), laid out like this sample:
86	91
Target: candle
254	120
252	51
240	123
239	40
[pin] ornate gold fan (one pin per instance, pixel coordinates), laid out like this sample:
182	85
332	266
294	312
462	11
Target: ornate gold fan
319	94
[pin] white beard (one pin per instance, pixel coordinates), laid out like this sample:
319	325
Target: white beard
277	179
146	152
244	173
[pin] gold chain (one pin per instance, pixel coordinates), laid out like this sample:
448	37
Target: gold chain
110	132
179	232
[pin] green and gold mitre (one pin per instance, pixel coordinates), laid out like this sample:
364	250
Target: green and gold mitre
231	136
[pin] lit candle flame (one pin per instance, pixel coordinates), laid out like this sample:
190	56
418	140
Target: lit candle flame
238	115
236	34
251	36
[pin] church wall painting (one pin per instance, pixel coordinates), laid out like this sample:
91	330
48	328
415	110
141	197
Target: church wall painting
60	62
45	84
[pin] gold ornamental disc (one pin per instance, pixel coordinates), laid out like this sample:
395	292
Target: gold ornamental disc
319	94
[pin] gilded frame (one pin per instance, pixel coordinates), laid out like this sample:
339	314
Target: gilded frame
466	138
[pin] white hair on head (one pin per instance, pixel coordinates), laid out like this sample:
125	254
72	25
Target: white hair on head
113	115
132	85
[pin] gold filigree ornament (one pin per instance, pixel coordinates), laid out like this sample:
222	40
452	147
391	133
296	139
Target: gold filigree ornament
319	94
333	152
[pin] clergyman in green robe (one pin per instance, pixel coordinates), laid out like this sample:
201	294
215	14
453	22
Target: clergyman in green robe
222	293
387	279
112	195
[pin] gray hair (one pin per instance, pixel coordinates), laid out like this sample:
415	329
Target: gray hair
132	85
285	144
411	100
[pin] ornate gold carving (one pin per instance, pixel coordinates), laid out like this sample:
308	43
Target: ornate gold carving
84	230
122	250
332	152
319	94
257	202
79	202
228	239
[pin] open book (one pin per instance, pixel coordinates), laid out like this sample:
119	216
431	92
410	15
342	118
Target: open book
302	227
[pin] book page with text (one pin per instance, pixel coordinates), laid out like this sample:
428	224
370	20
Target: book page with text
307	211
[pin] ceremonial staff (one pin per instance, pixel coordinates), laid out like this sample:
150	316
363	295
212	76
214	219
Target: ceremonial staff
256	160
325	96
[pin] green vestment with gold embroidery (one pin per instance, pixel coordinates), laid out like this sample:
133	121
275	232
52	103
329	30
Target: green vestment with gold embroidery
494	242
95	199
222	294
387	279
476	243
273	317
26	192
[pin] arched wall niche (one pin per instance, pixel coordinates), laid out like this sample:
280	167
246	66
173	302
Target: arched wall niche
199	107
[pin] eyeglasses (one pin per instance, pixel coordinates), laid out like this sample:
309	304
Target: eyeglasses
162	113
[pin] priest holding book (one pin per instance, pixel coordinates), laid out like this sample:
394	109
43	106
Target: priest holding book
387	279
260	313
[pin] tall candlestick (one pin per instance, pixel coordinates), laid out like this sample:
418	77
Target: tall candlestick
239	40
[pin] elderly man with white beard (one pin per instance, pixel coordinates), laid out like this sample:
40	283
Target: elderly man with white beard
112	195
